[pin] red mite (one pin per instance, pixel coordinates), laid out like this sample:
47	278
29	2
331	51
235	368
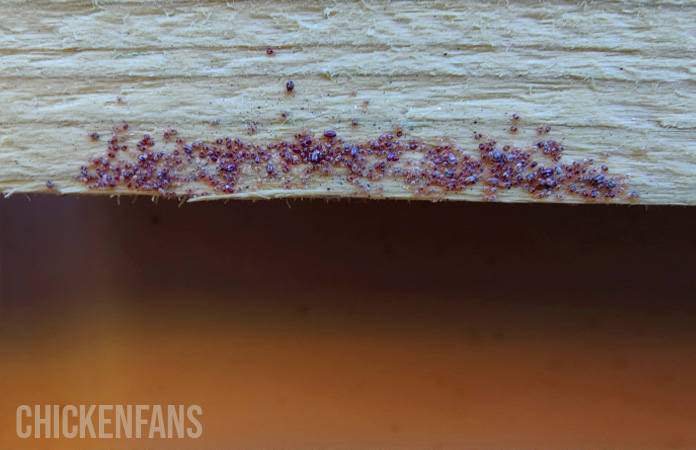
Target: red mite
289	86
222	164
269	51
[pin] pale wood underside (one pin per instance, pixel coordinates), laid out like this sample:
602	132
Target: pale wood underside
614	80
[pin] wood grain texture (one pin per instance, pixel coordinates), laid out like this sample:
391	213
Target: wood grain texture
614	80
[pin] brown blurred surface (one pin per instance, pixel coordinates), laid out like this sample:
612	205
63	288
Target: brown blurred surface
352	325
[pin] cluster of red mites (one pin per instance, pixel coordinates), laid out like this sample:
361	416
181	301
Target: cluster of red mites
200	168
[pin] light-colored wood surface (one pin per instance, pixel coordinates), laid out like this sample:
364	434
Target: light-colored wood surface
614	80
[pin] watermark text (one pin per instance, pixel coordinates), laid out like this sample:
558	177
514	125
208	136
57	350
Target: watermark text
109	421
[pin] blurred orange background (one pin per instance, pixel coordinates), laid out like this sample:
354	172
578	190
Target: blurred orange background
354	325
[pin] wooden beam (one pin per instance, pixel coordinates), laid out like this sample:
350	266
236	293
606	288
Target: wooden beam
613	80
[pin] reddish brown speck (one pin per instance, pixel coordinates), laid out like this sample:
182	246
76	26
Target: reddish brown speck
269	51
49	184
95	136
289	86
330	134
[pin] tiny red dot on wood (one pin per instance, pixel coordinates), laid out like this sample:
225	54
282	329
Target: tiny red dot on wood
269	51
289	86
